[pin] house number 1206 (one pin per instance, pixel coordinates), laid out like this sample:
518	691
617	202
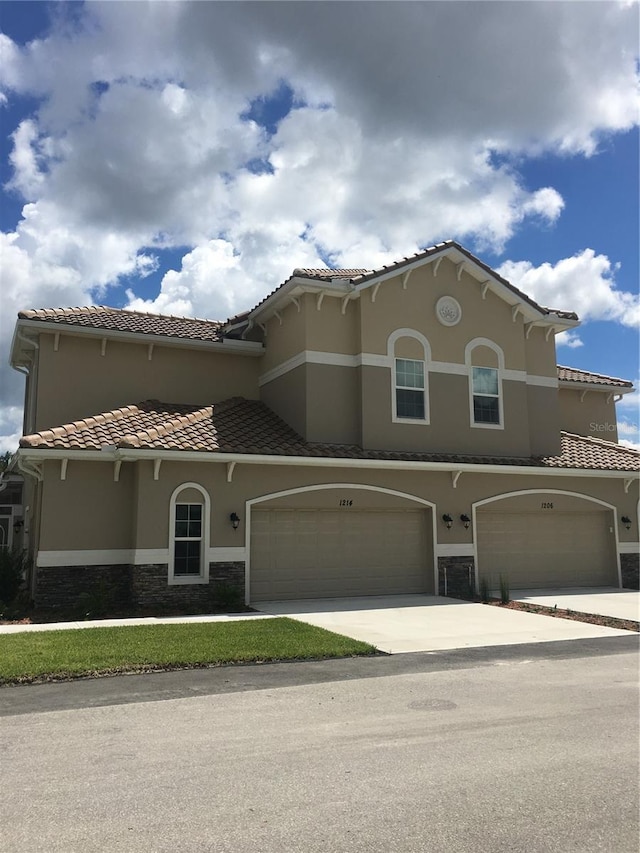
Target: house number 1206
345	502
545	505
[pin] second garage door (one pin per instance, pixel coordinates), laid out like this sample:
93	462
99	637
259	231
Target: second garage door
327	554
566	549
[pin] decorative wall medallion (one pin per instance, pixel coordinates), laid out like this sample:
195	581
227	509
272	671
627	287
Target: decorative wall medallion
448	311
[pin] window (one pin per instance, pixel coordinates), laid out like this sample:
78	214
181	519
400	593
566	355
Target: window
410	389
486	395
189	521
187	557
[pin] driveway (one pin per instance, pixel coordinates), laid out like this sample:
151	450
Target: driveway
605	601
418	623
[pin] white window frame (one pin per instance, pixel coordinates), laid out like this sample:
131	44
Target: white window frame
203	577
468	357
426	349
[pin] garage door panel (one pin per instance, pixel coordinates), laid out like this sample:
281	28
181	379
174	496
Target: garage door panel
324	553
558	549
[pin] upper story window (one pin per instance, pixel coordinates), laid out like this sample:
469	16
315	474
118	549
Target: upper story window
409	388
189	535
409	354
486	399
485	363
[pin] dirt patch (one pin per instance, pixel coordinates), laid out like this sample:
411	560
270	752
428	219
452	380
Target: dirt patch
575	615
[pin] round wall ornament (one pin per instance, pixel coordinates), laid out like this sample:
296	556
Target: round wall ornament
448	311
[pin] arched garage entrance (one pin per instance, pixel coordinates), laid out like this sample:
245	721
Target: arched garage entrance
339	540
546	539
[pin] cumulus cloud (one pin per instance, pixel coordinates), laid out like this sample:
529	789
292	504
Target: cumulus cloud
584	283
569	339
142	140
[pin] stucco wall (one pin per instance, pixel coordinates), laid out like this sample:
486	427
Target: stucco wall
594	415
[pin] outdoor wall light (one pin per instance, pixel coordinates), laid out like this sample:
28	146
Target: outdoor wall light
465	520
17	524
626	521
234	518
447	520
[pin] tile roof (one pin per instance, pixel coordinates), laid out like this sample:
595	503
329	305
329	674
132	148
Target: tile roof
238	425
121	320
572	374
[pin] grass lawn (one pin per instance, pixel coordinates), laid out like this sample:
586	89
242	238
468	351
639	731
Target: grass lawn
48	655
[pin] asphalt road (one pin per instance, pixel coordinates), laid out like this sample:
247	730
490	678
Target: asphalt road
505	751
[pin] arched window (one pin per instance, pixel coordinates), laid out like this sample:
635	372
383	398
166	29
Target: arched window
485	361
190	511
409	353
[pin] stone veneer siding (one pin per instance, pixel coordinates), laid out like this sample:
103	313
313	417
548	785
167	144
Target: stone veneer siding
460	577
630	570
121	587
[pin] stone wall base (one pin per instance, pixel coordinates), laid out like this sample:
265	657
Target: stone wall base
630	570
109	589
456	577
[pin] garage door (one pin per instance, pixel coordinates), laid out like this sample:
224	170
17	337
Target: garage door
562	549
325	554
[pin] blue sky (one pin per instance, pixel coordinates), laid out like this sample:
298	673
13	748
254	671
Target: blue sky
184	158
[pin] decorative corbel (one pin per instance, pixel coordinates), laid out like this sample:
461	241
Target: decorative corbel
455	476
230	467
156	468
459	269
319	300
56	341
436	265
485	287
344	303
515	311
405	278
374	292
583	394
296	302
550	331
627	484
117	465
150	352
63	468
103	346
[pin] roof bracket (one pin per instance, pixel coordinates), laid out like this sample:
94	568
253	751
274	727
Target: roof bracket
627	483
296	302
459	269
344	303
485	287
56	341
319	300
374	292
405	278
156	468
230	467
583	394
117	465
517	308
263	326
437	265
455	476
150	352
63	468
279	316
550	329
246	331
103	346
528	327
609	398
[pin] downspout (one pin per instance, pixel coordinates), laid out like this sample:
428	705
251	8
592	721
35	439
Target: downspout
31	540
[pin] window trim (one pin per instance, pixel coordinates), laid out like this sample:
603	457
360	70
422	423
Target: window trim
468	357
426	349
203	577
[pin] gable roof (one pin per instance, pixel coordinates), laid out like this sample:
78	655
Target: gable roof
586	377
123	320
241	426
359	279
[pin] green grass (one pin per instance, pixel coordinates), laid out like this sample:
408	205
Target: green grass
48	655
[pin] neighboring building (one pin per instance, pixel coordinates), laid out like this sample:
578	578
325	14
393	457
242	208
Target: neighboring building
366	432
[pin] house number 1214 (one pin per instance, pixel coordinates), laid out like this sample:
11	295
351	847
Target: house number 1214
345	502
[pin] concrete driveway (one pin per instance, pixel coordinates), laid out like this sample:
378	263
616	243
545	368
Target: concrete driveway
604	601
418	623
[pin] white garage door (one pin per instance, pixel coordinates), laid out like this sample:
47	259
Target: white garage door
325	554
562	549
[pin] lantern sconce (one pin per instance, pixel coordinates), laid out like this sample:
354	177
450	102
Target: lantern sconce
447	520
234	518
626	521
465	520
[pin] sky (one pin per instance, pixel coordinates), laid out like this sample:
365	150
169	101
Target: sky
185	157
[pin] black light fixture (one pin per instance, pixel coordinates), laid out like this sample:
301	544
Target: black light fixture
626	521
447	520
234	518
17	524
465	520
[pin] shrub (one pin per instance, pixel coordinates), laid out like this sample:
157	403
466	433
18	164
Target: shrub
227	596
504	589
13	568
485	592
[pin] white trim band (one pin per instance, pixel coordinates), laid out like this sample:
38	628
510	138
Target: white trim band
130	556
629	547
451	549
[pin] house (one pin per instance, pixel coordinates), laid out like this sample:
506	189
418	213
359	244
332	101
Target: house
399	430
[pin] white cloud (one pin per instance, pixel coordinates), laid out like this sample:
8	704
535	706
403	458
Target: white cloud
584	283
569	339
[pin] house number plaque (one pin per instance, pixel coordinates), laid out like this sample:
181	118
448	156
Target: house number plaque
345	502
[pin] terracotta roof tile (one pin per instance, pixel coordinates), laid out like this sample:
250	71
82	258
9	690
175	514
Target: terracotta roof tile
248	426
120	320
573	374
